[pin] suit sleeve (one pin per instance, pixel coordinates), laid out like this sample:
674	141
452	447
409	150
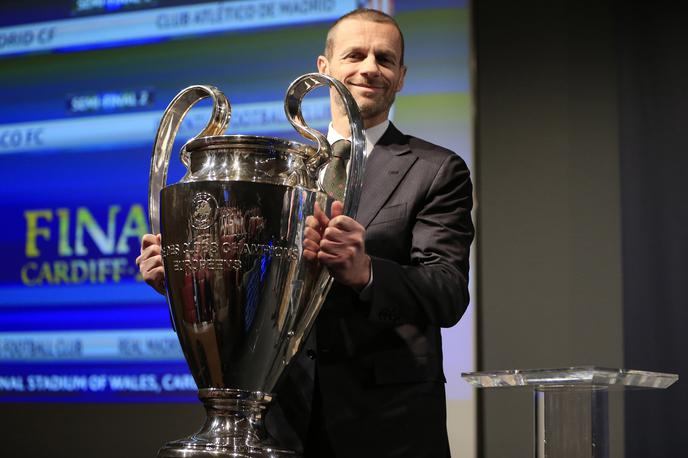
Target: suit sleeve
433	289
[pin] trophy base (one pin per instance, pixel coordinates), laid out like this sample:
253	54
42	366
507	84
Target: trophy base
191	448
233	428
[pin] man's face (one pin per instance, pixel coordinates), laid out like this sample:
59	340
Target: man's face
366	57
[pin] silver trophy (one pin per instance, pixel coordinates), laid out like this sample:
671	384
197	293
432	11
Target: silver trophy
241	295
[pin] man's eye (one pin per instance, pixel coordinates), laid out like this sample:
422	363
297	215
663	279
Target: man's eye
386	61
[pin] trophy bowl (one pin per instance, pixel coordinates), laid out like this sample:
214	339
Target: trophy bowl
241	295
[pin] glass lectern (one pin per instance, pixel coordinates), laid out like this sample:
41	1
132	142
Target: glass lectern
571	404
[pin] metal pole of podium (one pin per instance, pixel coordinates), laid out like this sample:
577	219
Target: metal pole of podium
571	422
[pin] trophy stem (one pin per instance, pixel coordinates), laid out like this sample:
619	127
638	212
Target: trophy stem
233	428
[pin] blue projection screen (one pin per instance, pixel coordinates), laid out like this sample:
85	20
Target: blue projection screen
83	84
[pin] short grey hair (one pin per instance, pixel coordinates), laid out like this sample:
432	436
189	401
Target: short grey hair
365	14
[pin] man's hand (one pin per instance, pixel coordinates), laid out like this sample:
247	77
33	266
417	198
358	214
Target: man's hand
150	262
339	244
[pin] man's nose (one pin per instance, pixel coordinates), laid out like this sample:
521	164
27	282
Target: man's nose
370	66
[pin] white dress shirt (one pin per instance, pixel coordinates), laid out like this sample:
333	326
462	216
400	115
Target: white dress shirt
372	135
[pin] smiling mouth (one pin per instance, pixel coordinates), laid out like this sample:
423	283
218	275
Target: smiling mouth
368	86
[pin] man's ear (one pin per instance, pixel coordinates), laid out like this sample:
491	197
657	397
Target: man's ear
322	64
400	85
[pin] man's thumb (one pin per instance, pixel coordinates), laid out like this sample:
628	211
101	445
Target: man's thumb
337	209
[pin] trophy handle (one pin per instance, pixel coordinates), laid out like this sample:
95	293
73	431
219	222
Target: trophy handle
164	139
292	107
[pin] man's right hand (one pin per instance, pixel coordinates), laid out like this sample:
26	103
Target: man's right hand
150	262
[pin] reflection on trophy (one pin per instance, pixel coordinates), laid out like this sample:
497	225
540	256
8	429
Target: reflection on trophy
241	295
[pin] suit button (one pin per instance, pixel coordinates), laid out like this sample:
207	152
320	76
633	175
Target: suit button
311	353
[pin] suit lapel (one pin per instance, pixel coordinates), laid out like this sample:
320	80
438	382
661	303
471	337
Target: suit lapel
388	163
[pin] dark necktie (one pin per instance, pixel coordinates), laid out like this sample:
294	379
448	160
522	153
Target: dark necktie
334	180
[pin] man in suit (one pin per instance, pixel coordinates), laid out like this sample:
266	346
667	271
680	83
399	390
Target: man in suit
400	270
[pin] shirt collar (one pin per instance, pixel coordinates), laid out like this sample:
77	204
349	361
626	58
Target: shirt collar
372	135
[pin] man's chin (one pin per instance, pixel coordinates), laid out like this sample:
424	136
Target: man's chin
369	109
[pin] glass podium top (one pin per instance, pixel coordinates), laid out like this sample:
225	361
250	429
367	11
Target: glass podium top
583	376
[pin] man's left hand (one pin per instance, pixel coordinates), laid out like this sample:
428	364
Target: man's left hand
341	246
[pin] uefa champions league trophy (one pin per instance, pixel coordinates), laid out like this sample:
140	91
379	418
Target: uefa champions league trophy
241	295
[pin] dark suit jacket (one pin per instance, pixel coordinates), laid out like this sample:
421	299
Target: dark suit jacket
379	362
